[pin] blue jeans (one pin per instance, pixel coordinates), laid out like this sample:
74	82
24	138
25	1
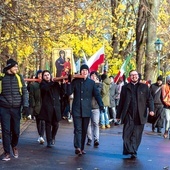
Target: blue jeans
104	118
167	119
10	123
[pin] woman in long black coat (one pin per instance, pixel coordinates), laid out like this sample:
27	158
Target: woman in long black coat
51	107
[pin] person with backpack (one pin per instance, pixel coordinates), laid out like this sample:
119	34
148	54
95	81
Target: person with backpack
13	96
158	119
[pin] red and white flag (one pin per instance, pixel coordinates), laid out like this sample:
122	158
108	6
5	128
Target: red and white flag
95	60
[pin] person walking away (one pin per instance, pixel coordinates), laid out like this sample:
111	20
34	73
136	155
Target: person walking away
113	95
50	110
158	119
35	105
13	96
135	97
104	118
83	89
93	128
166	101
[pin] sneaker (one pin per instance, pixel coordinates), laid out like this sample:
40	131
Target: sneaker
103	127
49	145
165	134
6	157
96	143
116	124
53	142
29	117
70	120
108	126
41	140
89	142
15	152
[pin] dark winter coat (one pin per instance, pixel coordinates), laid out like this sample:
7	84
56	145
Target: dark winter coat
144	100
35	97
83	91
10	95
113	94
156	92
50	93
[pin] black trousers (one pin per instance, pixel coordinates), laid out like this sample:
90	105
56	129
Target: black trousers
10	123
158	117
80	131
40	126
51	129
132	136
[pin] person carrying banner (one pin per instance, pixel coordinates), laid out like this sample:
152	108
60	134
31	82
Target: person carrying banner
83	89
13	96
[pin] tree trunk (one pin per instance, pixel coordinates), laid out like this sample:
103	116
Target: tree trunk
140	34
151	58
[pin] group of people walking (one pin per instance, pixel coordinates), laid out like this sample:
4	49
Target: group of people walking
92	100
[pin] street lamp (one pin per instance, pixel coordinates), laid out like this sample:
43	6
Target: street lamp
158	48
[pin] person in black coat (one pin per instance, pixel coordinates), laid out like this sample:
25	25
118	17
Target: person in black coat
135	99
35	105
50	107
83	89
158	119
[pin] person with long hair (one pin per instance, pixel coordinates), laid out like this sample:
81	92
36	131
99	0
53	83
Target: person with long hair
50	108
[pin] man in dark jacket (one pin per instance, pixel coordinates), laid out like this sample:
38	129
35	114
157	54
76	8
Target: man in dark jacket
135	98
158	119
13	95
83	90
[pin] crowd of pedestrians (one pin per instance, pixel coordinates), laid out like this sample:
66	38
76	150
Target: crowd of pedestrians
91	101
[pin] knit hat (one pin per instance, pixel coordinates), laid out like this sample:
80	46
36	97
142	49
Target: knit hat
94	72
84	66
103	76
160	78
38	72
10	63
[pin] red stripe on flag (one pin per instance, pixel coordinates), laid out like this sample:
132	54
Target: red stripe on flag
117	77
100	60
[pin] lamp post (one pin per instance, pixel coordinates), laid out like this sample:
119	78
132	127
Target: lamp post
158	48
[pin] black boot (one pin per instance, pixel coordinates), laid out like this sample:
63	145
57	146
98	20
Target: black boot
159	130
153	128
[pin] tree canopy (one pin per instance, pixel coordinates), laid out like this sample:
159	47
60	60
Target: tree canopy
30	29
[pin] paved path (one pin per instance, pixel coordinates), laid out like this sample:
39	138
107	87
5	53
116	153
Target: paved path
153	154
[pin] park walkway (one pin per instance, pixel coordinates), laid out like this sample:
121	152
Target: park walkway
154	151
